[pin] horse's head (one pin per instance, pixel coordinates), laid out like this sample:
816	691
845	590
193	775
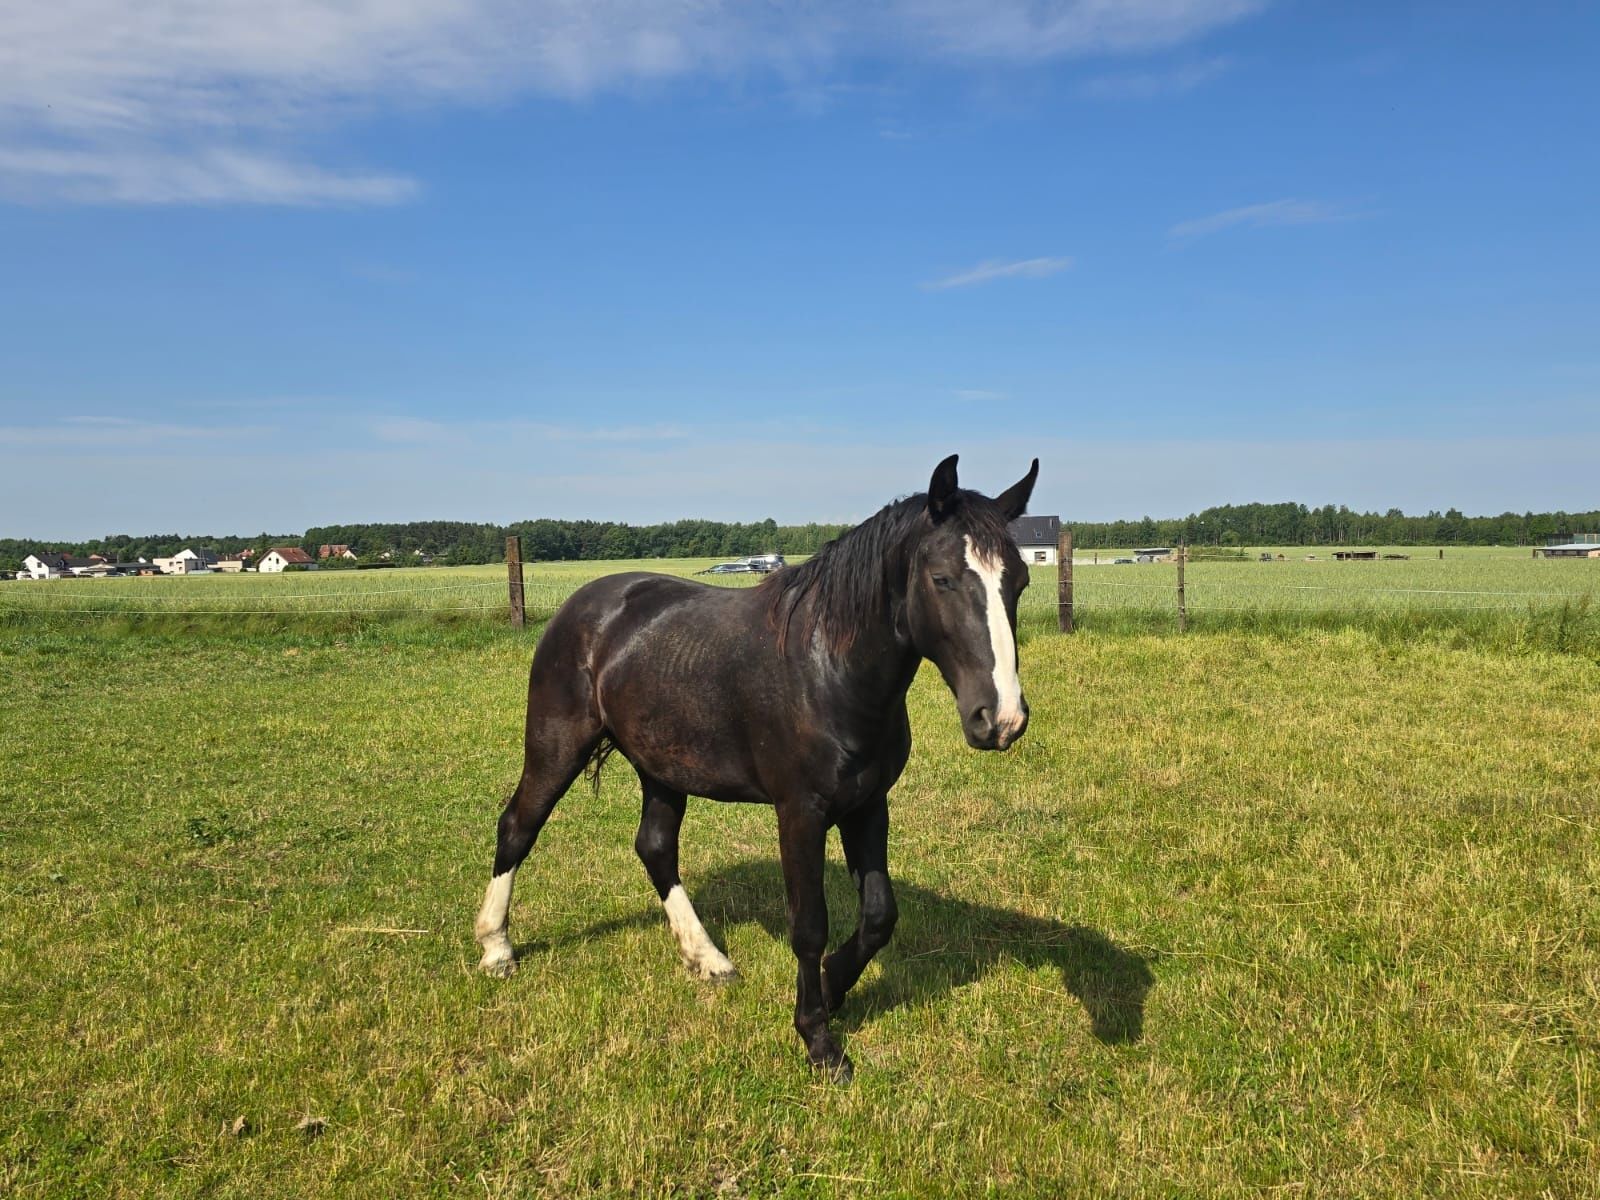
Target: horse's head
961	603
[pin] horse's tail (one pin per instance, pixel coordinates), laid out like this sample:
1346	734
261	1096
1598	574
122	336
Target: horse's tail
603	750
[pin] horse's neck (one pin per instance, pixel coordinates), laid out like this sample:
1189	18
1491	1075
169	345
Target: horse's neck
881	661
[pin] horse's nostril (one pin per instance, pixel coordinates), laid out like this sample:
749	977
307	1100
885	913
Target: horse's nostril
981	719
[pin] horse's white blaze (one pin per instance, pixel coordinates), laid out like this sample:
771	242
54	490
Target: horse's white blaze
1008	708
699	952
491	924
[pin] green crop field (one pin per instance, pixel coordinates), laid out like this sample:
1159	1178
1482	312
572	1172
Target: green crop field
1498	591
1305	901
1489	593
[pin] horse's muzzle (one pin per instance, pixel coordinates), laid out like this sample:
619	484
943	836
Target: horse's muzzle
984	732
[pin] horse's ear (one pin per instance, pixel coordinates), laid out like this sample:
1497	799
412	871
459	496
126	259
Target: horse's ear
942	489
1013	501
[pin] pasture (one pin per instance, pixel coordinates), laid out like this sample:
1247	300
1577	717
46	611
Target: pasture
1304	900
1487	595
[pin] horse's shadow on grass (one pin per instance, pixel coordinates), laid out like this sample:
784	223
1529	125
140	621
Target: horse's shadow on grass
940	944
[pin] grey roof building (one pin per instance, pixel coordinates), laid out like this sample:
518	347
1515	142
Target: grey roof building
1037	539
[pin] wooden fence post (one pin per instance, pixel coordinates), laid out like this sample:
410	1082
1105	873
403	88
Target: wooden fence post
1064	581
1183	606
514	577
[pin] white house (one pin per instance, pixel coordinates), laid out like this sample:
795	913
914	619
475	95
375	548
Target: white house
53	566
187	562
196	560
59	566
1037	539
280	557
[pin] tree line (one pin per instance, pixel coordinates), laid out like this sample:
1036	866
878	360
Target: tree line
546	540
1290	524
465	542
549	540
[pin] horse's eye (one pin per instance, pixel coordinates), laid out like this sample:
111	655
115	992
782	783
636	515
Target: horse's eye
942	581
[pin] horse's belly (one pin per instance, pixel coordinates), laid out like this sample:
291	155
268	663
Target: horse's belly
687	713
699	759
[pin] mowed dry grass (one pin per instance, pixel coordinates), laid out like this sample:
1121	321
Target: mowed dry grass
1312	912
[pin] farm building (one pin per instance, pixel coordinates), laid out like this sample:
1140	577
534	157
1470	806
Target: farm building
281	557
60	566
1356	555
101	568
54	566
1037	538
335	550
1572	550
188	562
1153	554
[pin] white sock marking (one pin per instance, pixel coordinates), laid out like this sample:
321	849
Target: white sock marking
699	952
1007	686
492	920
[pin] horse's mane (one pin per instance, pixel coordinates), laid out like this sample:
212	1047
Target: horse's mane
850	582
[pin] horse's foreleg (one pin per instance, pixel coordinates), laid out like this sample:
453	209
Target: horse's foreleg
865	834
802	843
657	847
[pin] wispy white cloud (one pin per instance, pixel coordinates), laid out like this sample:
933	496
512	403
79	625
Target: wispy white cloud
186	101
1148	85
1278	212
198	176
107	433
985	272
1026	30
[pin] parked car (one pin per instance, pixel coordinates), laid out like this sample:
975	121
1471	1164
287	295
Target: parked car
766	562
1117	562
728	568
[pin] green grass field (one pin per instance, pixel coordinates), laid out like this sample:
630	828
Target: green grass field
1486	595
1497	581
1304	906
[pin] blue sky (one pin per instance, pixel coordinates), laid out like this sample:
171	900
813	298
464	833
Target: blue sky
625	260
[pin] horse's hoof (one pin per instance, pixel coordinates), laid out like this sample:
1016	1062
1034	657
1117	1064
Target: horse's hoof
841	1073
712	970
498	968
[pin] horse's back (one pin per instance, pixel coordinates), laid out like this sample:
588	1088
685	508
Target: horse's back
612	609
656	631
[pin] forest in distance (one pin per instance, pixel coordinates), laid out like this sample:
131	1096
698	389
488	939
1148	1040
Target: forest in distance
549	540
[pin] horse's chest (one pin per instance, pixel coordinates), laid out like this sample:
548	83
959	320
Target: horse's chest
858	771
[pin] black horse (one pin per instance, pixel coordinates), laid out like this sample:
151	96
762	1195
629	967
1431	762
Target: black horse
790	694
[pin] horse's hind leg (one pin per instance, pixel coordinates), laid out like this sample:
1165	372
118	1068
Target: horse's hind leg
657	847
562	732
